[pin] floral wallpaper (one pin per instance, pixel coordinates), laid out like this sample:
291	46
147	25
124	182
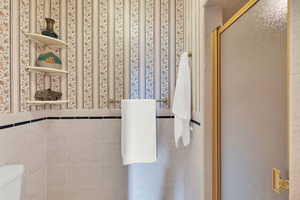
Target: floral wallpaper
71	62
24	60
119	60
40	83
88	54
164	50
134	48
55	13
103	54
4	57
116	49
150	70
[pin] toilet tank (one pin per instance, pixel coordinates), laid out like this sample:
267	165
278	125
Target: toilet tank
11	182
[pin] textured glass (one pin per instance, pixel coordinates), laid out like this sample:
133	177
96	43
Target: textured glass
272	14
254	105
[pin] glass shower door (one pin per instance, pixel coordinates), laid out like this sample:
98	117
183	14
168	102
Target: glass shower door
252	89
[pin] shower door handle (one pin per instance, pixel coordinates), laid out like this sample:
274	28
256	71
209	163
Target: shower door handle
278	183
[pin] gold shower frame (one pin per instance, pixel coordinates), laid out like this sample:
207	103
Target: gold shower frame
216	147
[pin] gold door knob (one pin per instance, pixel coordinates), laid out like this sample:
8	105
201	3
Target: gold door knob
278	183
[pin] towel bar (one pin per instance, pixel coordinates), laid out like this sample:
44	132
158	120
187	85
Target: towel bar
165	100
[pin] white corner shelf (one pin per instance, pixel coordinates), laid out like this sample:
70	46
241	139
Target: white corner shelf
50	41
47	70
47	102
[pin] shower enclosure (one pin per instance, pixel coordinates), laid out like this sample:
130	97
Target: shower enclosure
250	103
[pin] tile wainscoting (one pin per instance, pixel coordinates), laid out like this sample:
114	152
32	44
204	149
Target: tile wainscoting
27	144
79	158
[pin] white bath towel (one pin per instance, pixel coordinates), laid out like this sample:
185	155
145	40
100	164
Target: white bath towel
138	131
182	102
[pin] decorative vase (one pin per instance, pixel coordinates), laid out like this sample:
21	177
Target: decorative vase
49	59
50	28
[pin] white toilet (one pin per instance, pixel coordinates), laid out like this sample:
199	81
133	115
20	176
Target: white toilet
11	182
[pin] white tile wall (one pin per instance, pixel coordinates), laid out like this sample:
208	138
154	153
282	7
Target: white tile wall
81	159
208	15
294	100
27	145
84	162
294	137
195	165
163	179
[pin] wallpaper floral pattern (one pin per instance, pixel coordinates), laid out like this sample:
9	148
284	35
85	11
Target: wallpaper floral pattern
134	48
119	49
88	55
150	49
80	86
24	55
164	71
71	54
179	29
55	14
40	83
4	57
103	53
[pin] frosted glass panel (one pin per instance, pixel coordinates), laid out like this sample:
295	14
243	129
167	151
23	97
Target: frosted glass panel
254	102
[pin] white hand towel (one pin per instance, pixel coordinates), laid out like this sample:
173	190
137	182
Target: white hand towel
138	131
182	102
